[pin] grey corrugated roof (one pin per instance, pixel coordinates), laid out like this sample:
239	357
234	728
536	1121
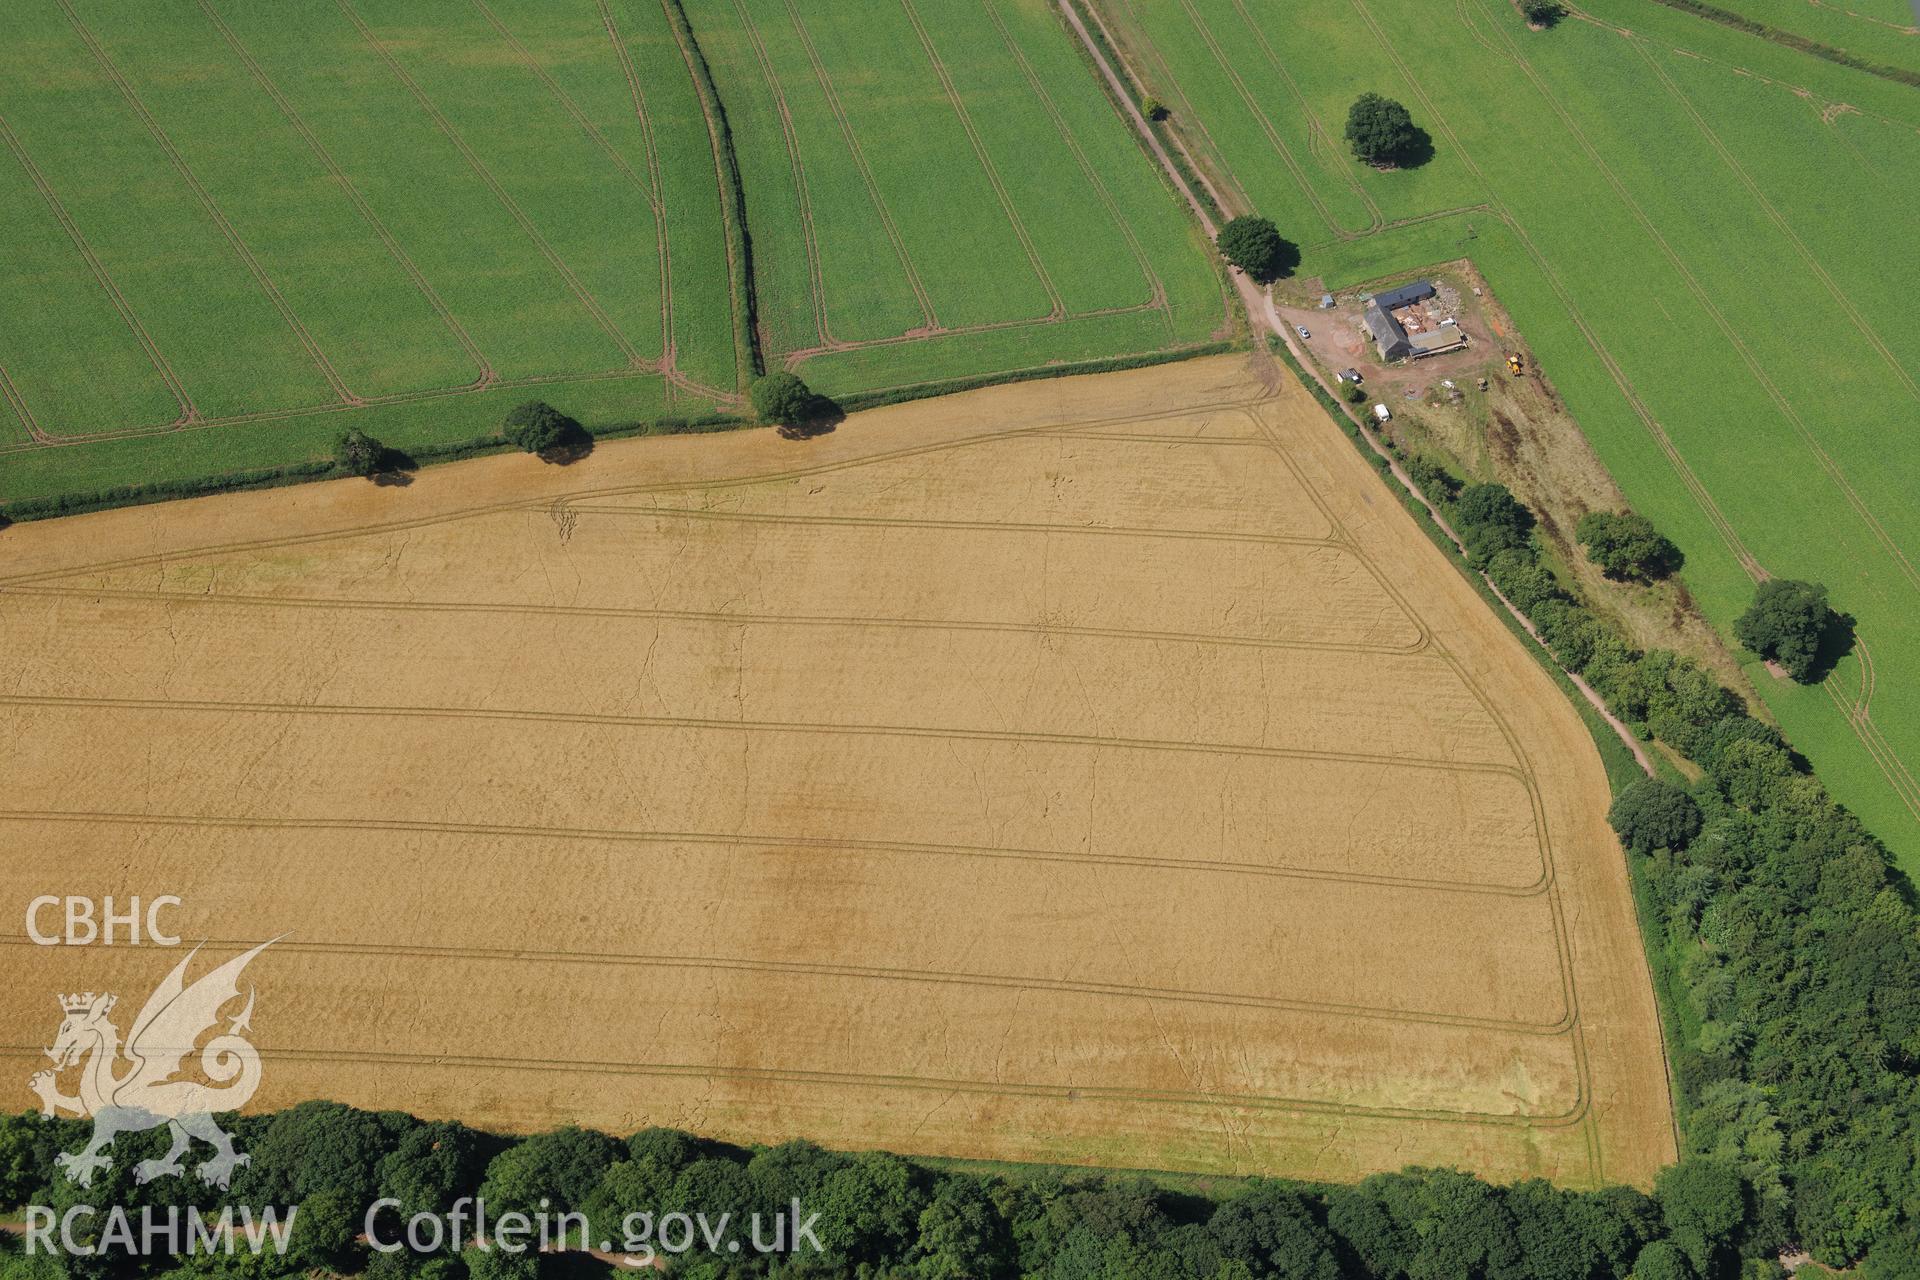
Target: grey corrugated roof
1418	291
1385	330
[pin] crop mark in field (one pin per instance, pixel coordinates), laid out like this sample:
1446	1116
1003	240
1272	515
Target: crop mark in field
304	411
669	350
1859	718
1905	29
1057	308
794	359
188	413
1189	118
980	526
840	116
484	371
325	603
19	406
1412	220
1525	771
1702	498
1829	107
650	187
227	230
480	170
1862	726
912	451
647	190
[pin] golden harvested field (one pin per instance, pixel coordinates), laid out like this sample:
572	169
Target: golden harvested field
1103	770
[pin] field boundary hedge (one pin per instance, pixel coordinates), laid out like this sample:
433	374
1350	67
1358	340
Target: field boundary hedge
82	501
855	401
748	363
1792	40
138	495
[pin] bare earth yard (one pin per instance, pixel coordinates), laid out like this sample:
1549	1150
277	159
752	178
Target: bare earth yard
1103	770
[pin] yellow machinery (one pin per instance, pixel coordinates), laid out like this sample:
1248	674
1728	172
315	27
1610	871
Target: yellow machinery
1513	363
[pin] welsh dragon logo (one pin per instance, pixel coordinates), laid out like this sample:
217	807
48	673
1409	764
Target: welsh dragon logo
149	1093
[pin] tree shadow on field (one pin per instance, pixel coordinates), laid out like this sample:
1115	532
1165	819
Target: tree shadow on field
1418	151
1286	260
575	443
395	470
822	416
1836	642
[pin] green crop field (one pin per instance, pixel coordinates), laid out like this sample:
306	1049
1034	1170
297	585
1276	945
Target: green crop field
1706	238
1883	32
938	188
408	216
398	215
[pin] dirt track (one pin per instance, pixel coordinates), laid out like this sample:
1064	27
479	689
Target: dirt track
1103	770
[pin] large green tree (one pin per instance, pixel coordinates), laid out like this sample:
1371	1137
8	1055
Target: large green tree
1702	1203
538	427
962	1235
358	453
1626	545
785	401
1381	131
434	1165
1489	520
1654	814
1254	245
1786	622
561	1167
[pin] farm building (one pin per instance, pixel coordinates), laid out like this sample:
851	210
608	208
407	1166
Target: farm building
1431	343
1387	332
1406	295
1391	336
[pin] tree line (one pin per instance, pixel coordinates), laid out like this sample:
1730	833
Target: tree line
1788	950
878	1215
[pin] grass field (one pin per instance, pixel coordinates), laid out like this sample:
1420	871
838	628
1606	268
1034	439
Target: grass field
937	188
337	223
1091	771
1883	32
1739	352
409	216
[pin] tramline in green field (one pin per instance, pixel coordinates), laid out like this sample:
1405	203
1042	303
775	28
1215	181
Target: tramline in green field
938	188
397	217
406	217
